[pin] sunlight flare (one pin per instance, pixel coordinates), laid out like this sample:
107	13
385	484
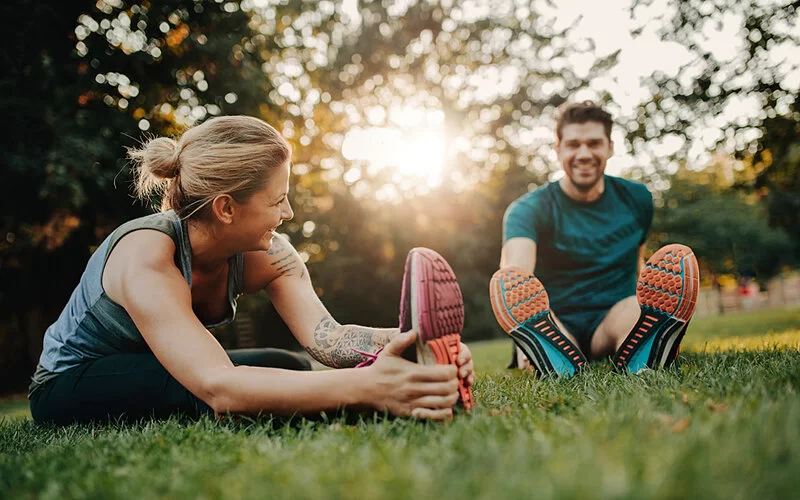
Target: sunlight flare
413	145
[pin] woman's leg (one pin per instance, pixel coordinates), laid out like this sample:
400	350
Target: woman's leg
123	386
134	386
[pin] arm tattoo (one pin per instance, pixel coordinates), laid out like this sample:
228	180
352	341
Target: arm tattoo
334	344
283	259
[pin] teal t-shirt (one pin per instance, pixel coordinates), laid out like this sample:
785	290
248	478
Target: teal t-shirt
586	253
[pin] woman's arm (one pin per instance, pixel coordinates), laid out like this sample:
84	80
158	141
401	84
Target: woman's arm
283	274
338	345
140	276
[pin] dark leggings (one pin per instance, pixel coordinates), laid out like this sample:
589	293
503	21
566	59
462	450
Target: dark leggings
134	386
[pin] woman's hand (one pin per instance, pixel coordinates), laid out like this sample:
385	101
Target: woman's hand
408	389
466	370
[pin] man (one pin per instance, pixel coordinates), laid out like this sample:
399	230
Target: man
584	237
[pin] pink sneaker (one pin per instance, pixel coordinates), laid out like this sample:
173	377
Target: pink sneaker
431	304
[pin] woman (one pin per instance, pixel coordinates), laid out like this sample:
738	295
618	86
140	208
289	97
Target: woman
133	341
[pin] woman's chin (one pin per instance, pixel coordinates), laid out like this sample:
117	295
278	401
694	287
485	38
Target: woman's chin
266	242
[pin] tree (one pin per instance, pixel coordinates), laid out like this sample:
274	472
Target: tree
778	173
740	98
727	229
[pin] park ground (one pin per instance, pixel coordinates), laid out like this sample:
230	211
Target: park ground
723	423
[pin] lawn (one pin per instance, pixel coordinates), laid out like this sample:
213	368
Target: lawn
724	423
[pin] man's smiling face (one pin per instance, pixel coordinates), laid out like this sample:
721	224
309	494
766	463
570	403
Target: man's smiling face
583	150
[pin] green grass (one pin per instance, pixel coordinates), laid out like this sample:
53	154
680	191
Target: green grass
14	407
725	423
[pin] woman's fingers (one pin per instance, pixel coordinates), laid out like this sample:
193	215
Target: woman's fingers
464	354
428	413
421	391
434	373
434	389
399	343
433	402
465	370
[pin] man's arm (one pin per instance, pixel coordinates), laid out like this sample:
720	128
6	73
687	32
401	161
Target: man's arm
641	258
519	252
647	211
283	274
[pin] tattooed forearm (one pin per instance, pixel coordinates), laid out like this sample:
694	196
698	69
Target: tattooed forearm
336	345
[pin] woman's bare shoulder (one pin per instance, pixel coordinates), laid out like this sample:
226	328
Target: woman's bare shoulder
139	250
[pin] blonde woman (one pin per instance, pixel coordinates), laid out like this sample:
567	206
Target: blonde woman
133	340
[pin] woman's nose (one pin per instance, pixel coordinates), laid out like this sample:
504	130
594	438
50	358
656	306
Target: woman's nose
287	212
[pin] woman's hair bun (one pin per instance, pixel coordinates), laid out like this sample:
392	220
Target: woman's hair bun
161	158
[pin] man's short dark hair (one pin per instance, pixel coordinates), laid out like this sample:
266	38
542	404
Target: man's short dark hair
582	112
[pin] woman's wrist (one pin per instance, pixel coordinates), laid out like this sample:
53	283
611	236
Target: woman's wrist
361	388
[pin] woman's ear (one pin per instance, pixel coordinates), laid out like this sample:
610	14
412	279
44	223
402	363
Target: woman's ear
224	208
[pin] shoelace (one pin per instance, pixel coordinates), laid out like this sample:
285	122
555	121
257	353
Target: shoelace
370	357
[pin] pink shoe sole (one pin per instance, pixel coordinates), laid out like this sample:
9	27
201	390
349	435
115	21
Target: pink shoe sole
432	305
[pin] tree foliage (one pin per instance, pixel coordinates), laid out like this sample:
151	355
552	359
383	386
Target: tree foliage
740	98
434	57
727	228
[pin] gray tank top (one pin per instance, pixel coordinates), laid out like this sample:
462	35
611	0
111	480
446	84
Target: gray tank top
92	326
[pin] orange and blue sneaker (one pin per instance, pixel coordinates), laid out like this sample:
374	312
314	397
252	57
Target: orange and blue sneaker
667	293
431	304
522	307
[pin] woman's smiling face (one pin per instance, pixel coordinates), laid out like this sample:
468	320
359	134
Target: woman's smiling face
259	217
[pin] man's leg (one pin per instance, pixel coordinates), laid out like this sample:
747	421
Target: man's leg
614	328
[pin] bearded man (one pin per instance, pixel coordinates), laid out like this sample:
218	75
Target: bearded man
584	238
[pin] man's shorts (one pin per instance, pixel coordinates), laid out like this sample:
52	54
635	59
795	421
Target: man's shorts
582	326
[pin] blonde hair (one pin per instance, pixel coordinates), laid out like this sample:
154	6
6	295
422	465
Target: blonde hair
225	155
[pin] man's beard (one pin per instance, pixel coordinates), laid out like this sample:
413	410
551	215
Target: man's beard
585	188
